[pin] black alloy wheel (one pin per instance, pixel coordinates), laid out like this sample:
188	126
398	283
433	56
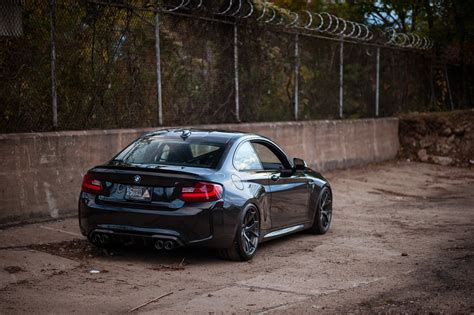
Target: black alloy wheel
250	231
323	215
247	238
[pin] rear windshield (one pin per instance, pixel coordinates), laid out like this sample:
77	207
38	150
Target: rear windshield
161	151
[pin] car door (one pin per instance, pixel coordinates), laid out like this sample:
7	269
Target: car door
255	178
290	191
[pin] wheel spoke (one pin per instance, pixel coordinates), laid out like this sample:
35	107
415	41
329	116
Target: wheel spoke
251	216
328	204
246	245
252	226
324	198
248	242
246	220
325	209
327	218
246	237
250	245
250	231
255	234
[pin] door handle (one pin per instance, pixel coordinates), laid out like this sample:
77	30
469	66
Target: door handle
275	177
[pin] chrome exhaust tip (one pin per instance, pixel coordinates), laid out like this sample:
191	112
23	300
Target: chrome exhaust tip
169	245
159	244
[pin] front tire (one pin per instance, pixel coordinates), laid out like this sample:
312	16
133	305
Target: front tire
247	237
323	215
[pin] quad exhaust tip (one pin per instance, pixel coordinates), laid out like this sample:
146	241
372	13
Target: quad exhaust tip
165	244
159	244
169	245
102	239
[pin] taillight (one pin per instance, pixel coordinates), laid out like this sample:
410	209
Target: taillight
201	192
91	185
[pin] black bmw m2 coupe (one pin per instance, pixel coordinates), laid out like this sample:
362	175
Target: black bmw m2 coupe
219	189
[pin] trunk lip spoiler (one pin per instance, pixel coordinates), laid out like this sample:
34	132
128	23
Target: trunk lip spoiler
147	171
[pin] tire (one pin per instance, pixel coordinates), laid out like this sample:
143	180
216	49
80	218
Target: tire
323	214
247	237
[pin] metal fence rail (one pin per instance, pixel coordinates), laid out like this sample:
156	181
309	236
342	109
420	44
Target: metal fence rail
70	64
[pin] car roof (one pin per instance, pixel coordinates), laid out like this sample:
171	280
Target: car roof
207	135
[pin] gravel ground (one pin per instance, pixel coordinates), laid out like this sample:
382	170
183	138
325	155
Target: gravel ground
401	241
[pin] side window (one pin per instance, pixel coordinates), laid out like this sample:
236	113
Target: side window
245	158
201	149
270	160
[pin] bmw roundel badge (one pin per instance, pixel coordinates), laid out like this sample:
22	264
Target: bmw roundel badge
137	179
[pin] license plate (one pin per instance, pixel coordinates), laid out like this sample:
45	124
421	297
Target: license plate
138	193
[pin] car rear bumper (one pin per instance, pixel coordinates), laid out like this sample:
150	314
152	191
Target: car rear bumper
209	225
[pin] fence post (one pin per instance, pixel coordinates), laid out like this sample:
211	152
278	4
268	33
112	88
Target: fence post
236	72
54	97
448	86
377	84
341	79
297	75
432	94
158	68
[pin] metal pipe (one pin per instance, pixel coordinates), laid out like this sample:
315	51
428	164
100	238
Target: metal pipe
448	86
297	75
159	244
54	96
168	245
341	79
236	73
432	88
158	68
377	84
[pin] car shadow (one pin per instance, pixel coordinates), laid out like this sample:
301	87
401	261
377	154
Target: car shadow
81	250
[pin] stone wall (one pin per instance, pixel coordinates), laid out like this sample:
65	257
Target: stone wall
41	173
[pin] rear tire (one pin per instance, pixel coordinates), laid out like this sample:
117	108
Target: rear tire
247	237
323	214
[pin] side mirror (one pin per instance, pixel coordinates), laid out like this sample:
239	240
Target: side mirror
300	165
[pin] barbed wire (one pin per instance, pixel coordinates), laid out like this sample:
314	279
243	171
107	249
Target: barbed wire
407	40
308	21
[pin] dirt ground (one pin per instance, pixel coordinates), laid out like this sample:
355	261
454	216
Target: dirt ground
402	240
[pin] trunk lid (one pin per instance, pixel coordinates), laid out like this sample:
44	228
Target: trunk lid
146	186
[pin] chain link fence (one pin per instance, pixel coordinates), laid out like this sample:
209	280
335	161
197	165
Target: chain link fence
82	64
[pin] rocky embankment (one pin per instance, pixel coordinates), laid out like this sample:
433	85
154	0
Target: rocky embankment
441	138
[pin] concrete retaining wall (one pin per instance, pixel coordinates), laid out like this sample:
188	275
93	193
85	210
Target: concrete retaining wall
41	173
